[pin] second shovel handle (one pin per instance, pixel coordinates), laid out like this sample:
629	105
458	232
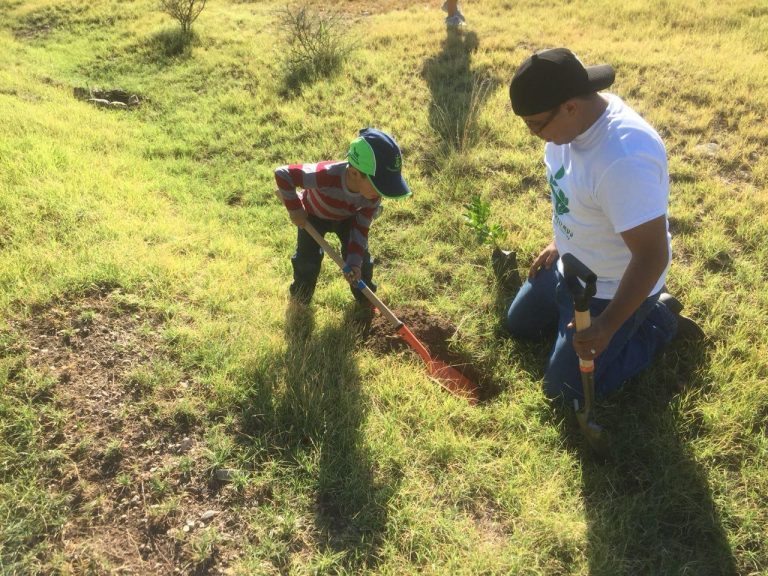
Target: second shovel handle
584	321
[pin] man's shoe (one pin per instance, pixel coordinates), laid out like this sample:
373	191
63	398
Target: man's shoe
455	20
687	329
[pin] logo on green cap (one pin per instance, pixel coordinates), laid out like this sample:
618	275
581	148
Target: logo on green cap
398	164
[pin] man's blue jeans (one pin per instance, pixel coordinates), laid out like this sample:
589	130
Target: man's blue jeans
544	306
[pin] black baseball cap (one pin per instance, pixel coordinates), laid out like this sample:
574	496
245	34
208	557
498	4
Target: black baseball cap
548	78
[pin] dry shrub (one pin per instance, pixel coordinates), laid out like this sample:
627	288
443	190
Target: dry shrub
184	11
318	44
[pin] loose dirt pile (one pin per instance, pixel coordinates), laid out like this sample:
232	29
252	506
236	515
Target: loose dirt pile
437	334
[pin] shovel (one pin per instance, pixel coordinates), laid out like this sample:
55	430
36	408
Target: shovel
573	271
447	376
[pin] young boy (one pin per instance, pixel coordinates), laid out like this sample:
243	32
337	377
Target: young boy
343	198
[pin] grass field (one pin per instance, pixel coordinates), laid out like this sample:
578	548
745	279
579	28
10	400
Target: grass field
163	409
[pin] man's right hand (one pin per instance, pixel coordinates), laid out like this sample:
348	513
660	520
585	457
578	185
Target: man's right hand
547	257
298	217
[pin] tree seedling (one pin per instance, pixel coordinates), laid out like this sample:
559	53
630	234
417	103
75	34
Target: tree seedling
504	262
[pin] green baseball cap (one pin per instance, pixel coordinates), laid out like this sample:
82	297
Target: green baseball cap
377	155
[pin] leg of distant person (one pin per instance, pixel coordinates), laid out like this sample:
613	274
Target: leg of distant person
455	16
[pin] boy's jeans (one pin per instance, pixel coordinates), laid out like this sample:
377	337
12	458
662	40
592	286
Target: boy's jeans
309	256
544	304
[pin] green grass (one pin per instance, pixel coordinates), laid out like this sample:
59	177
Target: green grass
350	461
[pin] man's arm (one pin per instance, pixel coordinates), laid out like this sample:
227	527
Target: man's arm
650	256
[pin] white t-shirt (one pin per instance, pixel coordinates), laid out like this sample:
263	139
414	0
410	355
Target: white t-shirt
610	179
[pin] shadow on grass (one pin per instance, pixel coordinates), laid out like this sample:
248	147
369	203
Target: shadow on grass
296	76
458	92
649	507
315	425
294	79
508	280
168	45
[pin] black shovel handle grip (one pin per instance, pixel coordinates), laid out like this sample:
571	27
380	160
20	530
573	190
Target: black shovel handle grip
573	271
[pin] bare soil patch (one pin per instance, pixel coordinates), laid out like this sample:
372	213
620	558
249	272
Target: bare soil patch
142	499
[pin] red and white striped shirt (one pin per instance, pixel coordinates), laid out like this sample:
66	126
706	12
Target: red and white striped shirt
324	194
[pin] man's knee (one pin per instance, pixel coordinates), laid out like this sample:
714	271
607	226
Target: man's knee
533	313
553	388
519	324
513	327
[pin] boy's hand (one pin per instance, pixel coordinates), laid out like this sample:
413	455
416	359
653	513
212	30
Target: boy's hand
298	217
353	276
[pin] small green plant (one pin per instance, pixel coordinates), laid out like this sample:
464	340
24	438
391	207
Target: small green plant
220	449
203	547
186	467
114	450
159	485
86	318
124	480
183	11
476	217
317	41
164	513
83	447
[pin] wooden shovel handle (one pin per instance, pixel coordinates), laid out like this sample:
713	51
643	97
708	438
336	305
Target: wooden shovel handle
367	292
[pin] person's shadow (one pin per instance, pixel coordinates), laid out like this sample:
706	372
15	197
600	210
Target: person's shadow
458	92
312	413
649	507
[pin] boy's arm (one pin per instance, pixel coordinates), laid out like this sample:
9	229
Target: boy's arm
358	237
288	178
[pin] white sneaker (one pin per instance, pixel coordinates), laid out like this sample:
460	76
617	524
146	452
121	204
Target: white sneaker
455	20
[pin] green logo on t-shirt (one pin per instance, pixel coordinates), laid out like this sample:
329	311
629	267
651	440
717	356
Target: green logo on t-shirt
559	197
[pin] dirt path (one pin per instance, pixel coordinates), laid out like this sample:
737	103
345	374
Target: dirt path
142	500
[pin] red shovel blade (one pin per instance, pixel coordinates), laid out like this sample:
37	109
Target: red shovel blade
449	377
